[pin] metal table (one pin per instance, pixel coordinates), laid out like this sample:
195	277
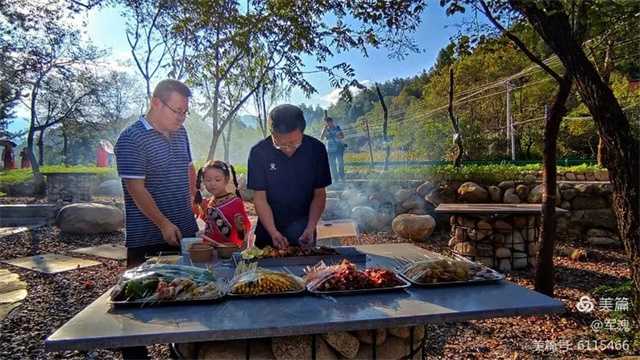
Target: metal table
99	327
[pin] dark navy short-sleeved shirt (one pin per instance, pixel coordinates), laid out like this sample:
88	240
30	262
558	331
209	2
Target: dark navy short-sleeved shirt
289	181
144	153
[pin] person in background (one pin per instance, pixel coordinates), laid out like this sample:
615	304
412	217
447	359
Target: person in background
335	148
289	172
7	157
224	213
25	163
102	157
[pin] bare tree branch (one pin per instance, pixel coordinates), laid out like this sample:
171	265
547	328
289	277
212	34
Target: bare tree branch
518	42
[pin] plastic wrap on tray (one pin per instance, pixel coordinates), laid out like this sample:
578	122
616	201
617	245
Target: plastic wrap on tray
291	251
438	270
251	280
346	276
446	270
151	283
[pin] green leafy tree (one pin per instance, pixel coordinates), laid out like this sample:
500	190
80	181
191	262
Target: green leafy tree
562	26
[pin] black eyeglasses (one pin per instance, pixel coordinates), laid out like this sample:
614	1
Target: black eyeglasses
179	113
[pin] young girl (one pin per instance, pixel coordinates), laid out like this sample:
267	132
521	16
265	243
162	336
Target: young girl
226	219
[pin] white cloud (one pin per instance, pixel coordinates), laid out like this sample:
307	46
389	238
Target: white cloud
120	61
332	97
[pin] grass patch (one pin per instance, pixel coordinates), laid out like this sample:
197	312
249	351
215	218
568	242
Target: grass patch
482	173
23	175
623	289
78	169
15	176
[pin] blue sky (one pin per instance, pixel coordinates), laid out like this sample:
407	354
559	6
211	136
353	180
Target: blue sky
106	29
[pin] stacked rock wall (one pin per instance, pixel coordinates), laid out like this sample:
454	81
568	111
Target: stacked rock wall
590	216
503	242
69	187
392	343
374	207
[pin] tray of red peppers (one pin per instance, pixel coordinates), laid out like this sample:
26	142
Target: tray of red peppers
346	278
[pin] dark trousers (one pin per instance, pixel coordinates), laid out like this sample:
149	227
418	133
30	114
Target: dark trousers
135	257
336	163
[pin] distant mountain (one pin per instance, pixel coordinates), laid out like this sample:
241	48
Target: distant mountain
249	121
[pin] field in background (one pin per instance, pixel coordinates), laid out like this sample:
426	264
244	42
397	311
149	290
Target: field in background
442	171
445	171
23	175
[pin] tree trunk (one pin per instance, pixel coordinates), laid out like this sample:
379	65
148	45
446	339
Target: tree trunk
366	123
265	116
544	281
261	107
32	157
216	128
454	122
65	147
214	143
41	148
387	150
623	157
227	142
35	167
602	154
607	68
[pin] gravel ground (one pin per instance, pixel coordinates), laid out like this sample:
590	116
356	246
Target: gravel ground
54	299
521	337
43	200
22	200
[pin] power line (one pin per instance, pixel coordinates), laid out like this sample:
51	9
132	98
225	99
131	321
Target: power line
416	117
552	61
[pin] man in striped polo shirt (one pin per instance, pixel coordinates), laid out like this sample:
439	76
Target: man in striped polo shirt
154	162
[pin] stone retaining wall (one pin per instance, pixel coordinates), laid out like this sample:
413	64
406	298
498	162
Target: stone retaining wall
373	207
598	175
69	187
590	216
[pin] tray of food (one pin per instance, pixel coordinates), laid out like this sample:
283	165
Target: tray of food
166	284
251	281
447	271
296	255
172	258
347	279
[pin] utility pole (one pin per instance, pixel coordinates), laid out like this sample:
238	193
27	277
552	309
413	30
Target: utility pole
508	114
513	141
510	128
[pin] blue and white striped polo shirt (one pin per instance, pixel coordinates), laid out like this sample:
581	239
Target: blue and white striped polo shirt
144	153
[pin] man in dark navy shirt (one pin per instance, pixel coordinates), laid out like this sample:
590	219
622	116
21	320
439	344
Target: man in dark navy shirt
288	172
